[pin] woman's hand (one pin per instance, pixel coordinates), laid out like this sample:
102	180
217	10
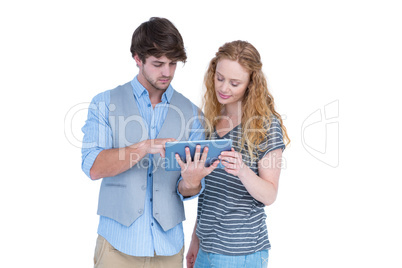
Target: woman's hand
192	251
233	163
264	186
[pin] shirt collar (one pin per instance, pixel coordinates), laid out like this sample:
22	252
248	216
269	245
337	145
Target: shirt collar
139	91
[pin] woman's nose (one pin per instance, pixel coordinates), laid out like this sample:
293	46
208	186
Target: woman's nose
225	87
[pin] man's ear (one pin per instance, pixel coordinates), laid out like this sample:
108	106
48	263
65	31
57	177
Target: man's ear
137	60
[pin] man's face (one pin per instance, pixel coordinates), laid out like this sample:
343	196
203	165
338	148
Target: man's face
156	73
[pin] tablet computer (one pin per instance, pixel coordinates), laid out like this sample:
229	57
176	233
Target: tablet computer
215	147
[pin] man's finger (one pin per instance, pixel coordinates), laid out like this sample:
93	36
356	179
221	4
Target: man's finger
162	152
213	166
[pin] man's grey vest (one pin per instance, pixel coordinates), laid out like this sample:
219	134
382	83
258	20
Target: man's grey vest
122	197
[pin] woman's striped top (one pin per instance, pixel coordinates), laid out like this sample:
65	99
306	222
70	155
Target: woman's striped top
229	220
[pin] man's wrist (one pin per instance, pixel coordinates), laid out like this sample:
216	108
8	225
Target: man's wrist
136	152
186	189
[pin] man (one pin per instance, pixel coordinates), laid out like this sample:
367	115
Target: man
140	204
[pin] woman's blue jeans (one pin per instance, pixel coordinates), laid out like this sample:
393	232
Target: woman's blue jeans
255	260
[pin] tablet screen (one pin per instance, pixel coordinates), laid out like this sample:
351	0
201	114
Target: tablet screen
178	147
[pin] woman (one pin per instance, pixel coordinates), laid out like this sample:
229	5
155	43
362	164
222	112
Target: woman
230	230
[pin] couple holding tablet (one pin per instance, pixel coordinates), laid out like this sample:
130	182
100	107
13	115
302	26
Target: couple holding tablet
131	132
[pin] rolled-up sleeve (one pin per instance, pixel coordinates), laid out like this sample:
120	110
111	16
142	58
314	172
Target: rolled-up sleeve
97	131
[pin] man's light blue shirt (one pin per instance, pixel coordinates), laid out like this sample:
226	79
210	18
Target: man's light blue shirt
145	236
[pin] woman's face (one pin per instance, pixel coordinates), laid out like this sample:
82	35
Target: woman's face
231	81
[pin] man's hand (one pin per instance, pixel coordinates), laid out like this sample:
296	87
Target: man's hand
111	162
155	146
193	171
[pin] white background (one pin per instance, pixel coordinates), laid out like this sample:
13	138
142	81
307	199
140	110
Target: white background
56	55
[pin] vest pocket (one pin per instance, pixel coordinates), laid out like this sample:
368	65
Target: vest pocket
119	185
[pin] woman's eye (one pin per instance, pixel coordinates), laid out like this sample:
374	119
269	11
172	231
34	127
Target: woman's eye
235	85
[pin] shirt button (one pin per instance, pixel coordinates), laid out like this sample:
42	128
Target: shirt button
140	211
150	199
150	174
152	224
149	105
145	162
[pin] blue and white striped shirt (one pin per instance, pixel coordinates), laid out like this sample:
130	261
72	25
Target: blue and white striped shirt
229	220
145	236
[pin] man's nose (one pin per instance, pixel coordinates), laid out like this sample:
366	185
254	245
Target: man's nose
166	70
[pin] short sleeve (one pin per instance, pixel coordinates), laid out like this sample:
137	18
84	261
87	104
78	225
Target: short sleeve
274	139
197	131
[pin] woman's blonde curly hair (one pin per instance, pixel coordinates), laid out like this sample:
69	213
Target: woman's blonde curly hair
257	105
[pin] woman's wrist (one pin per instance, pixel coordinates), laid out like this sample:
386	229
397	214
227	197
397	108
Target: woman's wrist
195	239
245	172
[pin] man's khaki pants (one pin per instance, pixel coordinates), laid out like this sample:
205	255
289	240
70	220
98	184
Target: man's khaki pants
106	256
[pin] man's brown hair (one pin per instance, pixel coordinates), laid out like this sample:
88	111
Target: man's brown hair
158	37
